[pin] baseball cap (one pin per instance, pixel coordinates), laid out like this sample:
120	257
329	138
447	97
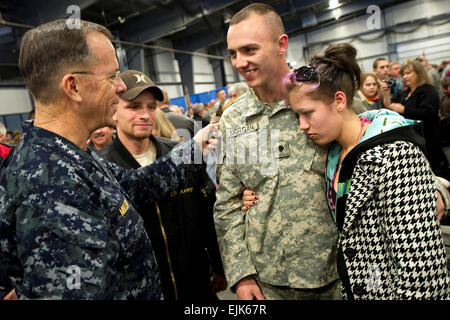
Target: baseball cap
137	82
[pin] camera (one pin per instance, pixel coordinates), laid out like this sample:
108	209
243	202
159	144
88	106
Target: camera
390	82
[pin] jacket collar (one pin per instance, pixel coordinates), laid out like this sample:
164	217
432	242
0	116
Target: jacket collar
387	126
256	106
54	143
161	150
349	207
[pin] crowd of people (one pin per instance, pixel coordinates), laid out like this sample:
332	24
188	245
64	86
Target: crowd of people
314	183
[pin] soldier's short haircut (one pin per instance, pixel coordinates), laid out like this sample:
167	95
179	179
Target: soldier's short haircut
261	9
49	49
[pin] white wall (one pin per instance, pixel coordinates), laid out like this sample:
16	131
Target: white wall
413	40
167	70
410	41
229	72
433	39
14	100
203	73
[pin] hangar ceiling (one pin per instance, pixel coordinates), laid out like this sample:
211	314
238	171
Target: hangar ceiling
190	25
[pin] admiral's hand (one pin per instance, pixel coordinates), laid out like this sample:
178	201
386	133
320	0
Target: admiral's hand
208	138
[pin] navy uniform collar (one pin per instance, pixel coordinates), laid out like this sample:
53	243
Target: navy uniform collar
53	142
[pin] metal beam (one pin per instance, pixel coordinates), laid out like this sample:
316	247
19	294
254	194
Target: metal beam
35	12
169	20
350	10
186	71
218	70
135	58
201	40
150	27
159	48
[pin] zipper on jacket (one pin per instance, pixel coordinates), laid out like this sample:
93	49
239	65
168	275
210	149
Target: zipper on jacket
167	251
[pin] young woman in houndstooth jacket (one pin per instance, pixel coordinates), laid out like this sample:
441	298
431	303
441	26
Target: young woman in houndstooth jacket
380	188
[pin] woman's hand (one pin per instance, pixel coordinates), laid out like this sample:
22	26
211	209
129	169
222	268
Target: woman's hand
249	199
384	88
397	107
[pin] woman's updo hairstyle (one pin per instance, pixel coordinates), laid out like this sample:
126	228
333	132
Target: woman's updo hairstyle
338	71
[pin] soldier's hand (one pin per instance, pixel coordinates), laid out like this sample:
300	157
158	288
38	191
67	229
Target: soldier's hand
249	199
208	138
248	289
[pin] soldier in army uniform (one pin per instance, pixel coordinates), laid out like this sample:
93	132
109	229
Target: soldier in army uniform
69	222
286	248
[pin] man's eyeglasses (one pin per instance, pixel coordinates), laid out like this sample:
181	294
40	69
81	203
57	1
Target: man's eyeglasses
115	76
303	74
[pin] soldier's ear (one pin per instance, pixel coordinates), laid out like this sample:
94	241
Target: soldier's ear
282	44
70	86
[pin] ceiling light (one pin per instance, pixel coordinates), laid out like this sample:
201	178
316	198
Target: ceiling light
333	4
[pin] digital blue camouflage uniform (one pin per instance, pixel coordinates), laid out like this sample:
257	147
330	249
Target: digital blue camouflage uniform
288	238
69	227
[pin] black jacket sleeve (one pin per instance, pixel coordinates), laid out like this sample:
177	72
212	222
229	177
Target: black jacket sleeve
423	103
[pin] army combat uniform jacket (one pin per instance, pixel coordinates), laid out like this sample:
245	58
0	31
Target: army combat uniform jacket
288	238
69	226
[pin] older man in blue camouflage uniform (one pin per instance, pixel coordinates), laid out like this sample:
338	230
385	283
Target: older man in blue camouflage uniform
285	248
69	226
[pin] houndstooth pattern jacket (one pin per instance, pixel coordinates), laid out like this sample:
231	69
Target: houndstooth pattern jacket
390	244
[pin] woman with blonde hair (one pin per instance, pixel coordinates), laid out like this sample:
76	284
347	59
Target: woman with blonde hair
162	127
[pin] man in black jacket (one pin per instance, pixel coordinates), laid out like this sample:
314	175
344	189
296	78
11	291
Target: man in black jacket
180	225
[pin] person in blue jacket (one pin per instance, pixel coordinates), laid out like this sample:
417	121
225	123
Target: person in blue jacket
69	221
